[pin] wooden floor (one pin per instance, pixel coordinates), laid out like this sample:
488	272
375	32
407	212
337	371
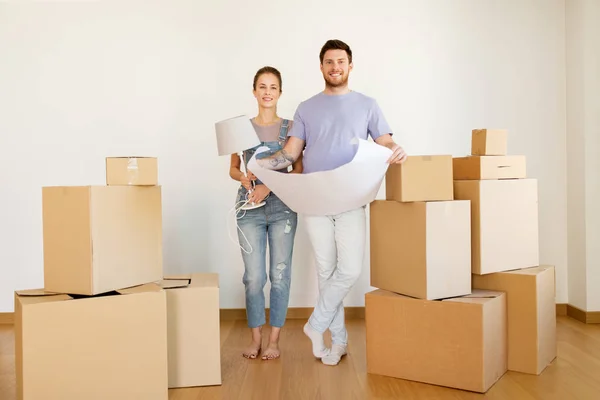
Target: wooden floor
575	374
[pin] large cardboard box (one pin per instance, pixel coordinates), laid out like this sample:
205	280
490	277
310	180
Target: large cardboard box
531	305
458	342
504	221
489	167
101	238
138	171
489	142
420	178
421	249
193	329
95	348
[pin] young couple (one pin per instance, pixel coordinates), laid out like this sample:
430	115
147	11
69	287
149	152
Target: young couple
318	139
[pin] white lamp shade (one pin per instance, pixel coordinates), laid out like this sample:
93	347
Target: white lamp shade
235	135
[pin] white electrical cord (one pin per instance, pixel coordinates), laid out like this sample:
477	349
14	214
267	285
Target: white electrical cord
236	210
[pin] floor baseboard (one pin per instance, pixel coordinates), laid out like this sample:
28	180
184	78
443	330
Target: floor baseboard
239	314
7	318
234	314
587	317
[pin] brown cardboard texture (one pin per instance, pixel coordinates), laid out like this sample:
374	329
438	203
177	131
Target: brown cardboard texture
101	238
193	329
489	142
458	343
421	249
531	313
489	167
137	171
420	178
504	223
111	346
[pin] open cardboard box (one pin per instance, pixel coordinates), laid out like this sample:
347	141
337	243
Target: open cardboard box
109	346
458	342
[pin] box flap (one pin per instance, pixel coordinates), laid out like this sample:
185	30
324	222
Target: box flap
483	294
146	288
478	296
531	271
174	283
36	296
36	292
178	277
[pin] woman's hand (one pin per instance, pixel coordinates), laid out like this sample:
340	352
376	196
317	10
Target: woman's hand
246	182
258	194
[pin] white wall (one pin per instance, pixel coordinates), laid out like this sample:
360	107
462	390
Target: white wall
583	129
83	80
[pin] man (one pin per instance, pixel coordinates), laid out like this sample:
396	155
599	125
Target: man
324	127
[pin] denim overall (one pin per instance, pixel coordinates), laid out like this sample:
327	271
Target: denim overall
276	224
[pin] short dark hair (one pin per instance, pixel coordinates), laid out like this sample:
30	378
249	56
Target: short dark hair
335	44
267	70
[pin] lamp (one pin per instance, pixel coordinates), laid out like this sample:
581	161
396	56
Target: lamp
234	135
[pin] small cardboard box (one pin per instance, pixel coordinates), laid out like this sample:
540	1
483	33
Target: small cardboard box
531	313
504	223
458	343
193	329
421	249
489	167
101	238
489	142
420	178
110	346
137	171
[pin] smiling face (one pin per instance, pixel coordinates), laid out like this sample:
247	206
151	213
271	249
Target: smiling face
267	90
336	68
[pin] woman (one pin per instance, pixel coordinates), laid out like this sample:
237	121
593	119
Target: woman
274	223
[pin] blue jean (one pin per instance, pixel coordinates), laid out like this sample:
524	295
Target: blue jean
276	224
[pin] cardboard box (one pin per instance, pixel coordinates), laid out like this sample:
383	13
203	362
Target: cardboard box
421	249
531	305
193	330
504	223
137	171
489	142
95	348
489	167
420	178
101	238
458	343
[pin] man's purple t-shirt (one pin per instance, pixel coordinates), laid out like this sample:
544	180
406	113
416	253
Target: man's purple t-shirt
329	123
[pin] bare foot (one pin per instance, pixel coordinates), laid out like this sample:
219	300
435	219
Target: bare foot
272	352
254	348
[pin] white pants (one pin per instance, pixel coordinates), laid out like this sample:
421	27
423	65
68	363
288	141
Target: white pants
338	242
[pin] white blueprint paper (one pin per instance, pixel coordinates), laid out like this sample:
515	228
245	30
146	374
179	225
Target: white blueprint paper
347	187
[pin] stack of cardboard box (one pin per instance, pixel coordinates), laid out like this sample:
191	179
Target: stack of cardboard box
506	246
424	323
106	324
444	222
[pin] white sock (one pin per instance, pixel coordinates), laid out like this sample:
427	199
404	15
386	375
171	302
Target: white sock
318	343
336	354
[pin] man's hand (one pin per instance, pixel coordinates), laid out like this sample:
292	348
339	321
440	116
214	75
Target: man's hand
258	194
398	155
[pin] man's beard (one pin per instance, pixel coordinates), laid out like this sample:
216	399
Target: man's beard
336	84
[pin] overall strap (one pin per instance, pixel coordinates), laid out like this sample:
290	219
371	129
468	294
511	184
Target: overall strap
283	130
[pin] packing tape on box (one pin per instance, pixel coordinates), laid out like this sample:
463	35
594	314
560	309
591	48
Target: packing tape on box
132	170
